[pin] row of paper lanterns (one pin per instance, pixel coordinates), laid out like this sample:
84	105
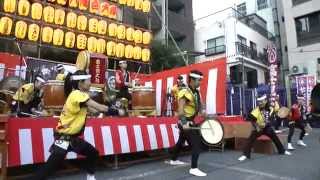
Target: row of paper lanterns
81	22
69	39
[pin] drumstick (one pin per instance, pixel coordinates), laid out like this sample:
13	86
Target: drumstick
197	128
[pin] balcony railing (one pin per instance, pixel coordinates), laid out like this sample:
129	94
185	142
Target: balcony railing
296	2
248	52
215	50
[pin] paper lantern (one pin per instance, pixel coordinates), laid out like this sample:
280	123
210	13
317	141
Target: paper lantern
102	27
59	15
83	4
104	9
137	53
9	6
138	4
71	20
94	6
48	14
82	23
47	34
145	55
51	1
130	3
101	46
62	2
81	41
5	25
73	3
128	52
137	36
92	44
21	29
113	11
93	25
122	2
36	11
70	39
120	50
33	32
111	48
58	37
146	38
129	34
112	29
146	6
121	32
23	8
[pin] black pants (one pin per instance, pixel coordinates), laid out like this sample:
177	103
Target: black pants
292	126
124	93
277	122
194	140
268	131
58	154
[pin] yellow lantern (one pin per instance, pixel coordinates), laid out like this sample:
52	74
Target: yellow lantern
146	5
104	9
21	29
9	6
129	34
137	53
70	39
120	50
23	8
112	29
130	3
81	41
82	23
33	32
138	4
113	11
73	3
111	48
92	44
58	37
59	15
48	14
51	1
146	38
47	34
102	27
128	52
121	32
71	20
94	6
5	25
122	2
137	36
83	4
62	2
101	46
145	55
36	11
93	25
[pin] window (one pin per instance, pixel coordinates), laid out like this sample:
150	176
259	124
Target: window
262	4
308	29
215	46
296	2
242	8
242	40
253	49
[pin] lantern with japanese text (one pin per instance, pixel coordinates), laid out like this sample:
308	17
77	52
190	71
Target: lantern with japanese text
58	37
102	27
21	29
71	20
47	34
129	34
146	38
113	11
83	4
121	32
104	9
93	25
120	50
9	6
111	48
94	6
36	11
112	29
59	15
70	39
137	53
130	3
5	25
23	7
48	14
101	46
92	44
33	32
129	52
137	36
122	2
82	23
62	2
138	4
145	55
73	3
81	41
146	5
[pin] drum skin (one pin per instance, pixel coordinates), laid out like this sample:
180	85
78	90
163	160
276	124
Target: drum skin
211	131
143	98
53	95
283	112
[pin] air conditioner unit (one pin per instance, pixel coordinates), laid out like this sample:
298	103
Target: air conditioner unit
296	70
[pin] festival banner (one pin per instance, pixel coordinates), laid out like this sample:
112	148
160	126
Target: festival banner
273	70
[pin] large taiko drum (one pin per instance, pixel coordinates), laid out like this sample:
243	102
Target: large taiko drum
211	131
143	98
53	94
96	94
95	64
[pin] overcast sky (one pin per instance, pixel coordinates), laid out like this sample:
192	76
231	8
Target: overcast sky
205	7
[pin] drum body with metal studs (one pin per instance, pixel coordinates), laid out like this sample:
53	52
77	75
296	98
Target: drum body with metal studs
143	98
53	94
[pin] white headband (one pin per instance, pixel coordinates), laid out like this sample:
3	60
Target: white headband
60	67
197	76
40	79
120	62
80	77
299	97
262	98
